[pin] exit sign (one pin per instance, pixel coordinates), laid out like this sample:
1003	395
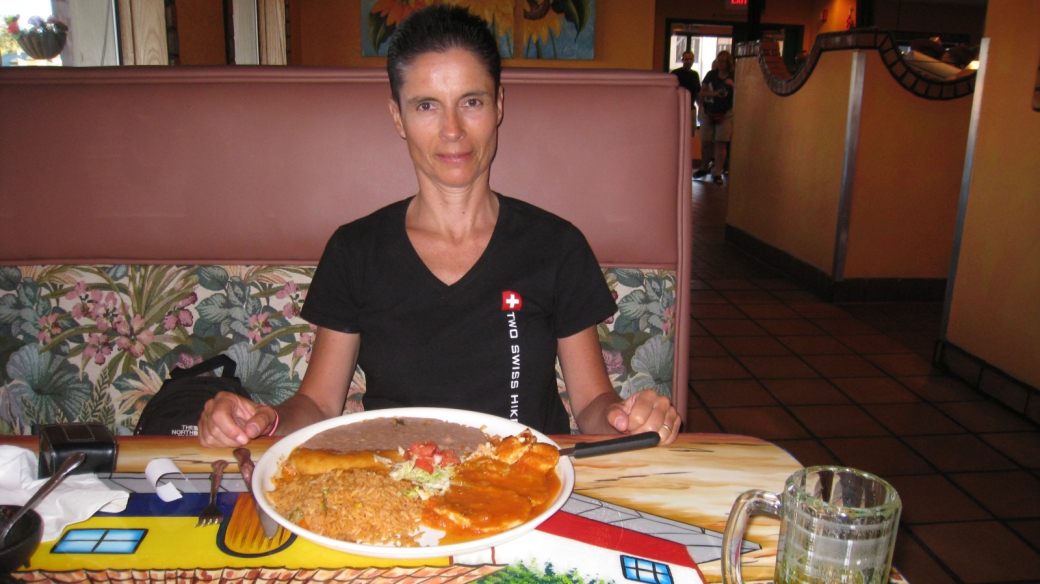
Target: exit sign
736	3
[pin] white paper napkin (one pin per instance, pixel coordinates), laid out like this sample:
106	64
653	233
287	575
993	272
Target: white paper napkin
162	467
77	498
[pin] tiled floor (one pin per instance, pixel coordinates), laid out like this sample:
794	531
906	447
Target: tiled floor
852	384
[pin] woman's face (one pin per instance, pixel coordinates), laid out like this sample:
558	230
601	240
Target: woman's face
449	114
725	65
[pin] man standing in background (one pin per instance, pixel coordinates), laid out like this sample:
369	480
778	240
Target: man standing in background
691	80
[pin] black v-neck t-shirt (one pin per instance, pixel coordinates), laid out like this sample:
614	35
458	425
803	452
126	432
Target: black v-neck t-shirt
486	343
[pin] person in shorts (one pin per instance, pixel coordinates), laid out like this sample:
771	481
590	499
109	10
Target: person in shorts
716	117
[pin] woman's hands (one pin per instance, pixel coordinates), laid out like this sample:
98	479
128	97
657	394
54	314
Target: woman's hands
232	420
595	405
720	92
646	411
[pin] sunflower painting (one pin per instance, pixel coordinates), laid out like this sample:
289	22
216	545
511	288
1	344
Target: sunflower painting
559	29
499	16
380	19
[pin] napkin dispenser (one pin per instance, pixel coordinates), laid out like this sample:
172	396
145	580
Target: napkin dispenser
60	441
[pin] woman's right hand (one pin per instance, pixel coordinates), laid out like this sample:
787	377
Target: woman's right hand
232	420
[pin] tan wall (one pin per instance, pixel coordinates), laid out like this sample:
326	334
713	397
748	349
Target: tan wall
200	32
995	311
908	179
787	157
328	33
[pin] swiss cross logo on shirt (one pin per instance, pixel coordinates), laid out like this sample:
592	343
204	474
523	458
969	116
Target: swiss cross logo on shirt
511	300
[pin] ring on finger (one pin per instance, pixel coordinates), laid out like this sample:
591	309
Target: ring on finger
666	427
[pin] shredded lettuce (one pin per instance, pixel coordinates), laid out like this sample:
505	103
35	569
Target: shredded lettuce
426	485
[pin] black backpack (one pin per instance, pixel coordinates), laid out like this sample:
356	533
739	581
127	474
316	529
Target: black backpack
175	409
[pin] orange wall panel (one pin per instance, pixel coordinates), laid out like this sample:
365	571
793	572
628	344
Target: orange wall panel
329	34
995	310
786	159
200	32
908	178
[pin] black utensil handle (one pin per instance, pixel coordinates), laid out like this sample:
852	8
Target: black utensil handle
623	444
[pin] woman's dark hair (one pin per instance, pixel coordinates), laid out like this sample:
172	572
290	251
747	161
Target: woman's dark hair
437	29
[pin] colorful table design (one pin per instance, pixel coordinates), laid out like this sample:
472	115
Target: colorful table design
653	516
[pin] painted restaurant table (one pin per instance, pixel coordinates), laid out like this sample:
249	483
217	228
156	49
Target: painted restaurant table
653	515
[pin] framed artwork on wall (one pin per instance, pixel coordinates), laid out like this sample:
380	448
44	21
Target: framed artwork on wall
379	20
560	29
500	16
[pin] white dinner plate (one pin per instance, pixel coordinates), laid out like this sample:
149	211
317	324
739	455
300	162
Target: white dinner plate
271	461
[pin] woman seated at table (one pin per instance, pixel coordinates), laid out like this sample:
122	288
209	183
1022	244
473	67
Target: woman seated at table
456	297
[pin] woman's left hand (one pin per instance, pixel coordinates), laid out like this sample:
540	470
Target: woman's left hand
646	411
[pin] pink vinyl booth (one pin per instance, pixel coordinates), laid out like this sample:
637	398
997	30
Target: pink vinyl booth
153	217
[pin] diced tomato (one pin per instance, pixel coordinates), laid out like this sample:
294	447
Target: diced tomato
419	450
450	457
424	464
427	455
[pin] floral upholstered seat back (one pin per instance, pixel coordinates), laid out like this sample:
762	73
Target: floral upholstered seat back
94	343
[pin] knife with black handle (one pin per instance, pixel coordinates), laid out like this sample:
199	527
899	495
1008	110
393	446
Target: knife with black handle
622	444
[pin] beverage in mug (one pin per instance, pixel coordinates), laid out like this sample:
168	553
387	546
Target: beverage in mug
808	559
837	525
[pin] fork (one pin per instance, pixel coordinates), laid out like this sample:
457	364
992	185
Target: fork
212	514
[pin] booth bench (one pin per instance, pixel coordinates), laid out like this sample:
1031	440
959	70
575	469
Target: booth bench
154	217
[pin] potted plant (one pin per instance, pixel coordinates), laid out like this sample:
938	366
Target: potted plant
42	40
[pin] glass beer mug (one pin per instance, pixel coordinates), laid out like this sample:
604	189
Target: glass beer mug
837	525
